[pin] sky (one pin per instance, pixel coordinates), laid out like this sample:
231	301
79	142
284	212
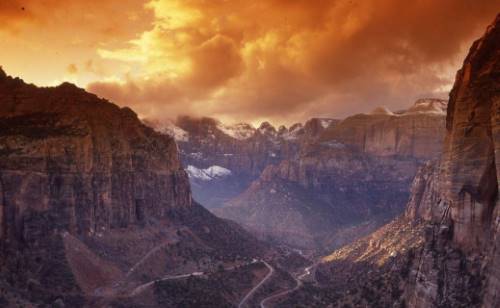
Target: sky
239	60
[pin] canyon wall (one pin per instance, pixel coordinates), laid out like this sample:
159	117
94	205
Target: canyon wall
461	194
93	203
324	198
351	179
445	250
85	162
415	132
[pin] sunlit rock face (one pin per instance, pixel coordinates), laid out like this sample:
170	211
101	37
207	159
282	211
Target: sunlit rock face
416	132
467	184
471	157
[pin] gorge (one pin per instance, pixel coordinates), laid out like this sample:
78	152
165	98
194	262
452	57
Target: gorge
105	205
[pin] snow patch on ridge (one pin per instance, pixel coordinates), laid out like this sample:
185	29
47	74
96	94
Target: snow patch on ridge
208	174
293	132
382	110
325	122
425	106
267	129
428	106
240	131
168	128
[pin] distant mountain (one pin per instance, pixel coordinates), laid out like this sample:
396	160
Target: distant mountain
445	250
241	149
416	132
353	178
94	205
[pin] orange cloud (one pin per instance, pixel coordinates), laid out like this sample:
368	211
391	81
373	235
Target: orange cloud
281	60
214	62
40	38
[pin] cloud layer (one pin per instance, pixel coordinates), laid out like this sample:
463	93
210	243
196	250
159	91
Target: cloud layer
279	60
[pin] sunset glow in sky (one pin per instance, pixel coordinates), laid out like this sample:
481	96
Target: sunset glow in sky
240	60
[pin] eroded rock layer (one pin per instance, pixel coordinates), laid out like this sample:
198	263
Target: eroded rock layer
468	204
416	132
347	182
93	203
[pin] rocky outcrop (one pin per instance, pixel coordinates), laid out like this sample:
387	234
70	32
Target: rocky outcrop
416	132
426	202
93	202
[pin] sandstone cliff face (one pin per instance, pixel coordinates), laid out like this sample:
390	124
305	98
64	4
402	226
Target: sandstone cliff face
416	132
471	155
468	184
65	151
451	225
93	202
426	202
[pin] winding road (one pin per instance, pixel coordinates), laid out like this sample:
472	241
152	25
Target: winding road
249	294
298	280
139	289
143	287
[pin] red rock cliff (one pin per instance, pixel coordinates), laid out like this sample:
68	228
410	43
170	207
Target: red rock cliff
88	163
459	195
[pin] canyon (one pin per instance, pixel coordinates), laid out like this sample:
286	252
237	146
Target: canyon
350	180
443	251
94	203
102	208
240	151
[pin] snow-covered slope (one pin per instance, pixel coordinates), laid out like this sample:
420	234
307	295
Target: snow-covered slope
428	106
168	127
326	122
381	111
240	131
266	129
293	132
208	174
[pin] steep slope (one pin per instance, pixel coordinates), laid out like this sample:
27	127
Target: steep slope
93	202
336	189
468	186
444	252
